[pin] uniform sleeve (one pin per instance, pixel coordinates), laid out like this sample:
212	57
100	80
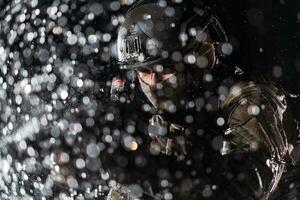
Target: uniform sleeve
255	117
254	121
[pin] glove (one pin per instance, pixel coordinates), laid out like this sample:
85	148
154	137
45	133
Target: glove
168	138
119	192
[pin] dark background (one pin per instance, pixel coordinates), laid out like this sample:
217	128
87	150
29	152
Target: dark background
266	35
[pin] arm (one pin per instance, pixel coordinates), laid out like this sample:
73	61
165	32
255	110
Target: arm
255	115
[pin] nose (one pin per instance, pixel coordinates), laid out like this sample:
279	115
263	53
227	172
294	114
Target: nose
154	78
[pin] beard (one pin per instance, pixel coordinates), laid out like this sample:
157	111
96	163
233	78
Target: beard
167	95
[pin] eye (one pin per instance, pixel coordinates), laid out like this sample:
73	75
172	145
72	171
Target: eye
168	70
144	71
158	68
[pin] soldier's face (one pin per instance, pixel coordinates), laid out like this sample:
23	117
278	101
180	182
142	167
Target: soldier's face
153	76
163	86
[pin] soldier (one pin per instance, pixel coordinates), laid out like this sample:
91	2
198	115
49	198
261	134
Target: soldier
171	49
176	50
